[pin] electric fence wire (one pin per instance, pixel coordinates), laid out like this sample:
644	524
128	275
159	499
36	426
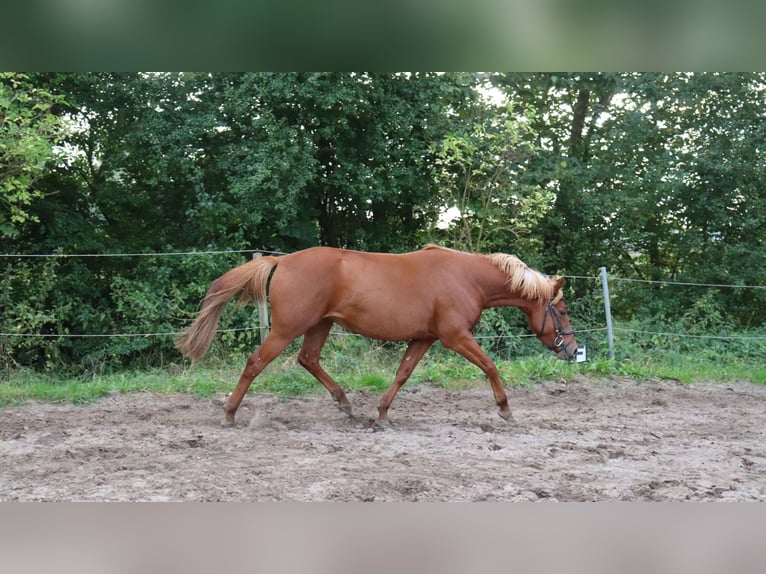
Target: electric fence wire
271	252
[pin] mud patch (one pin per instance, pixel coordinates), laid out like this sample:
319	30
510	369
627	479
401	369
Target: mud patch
581	441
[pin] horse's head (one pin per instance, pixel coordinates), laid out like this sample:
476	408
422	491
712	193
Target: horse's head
550	322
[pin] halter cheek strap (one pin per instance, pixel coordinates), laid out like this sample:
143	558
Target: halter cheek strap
558	342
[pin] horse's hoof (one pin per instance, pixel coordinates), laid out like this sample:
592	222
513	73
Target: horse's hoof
346	409
228	421
507	416
382	424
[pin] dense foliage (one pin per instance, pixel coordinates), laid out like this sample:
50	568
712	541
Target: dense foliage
655	176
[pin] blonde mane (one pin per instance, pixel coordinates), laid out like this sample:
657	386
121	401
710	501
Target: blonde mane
527	282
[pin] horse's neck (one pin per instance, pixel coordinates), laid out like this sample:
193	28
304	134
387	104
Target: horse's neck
494	285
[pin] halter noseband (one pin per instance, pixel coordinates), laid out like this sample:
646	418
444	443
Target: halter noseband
558	342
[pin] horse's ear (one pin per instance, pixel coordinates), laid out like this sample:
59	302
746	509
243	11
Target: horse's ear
559	283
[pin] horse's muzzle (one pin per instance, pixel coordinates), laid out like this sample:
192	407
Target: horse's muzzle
567	351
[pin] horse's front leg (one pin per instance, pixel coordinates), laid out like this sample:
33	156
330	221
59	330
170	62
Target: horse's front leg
467	346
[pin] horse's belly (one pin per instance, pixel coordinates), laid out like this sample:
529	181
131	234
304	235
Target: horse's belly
389	327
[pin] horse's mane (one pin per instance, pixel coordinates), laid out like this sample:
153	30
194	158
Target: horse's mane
529	283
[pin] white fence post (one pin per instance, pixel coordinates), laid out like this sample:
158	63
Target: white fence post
263	312
608	311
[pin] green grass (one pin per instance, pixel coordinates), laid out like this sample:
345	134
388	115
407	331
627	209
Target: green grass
693	368
360	365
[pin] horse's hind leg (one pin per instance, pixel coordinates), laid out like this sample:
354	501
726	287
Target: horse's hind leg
272	346
412	356
313	341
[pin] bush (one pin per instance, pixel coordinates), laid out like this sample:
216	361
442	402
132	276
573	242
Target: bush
28	320
51	300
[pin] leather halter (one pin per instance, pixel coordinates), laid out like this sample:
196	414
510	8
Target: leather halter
558	342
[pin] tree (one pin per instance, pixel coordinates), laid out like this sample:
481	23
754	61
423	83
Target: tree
28	134
359	175
478	172
176	162
658	176
569	108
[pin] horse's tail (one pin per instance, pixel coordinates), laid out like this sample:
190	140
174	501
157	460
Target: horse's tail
251	278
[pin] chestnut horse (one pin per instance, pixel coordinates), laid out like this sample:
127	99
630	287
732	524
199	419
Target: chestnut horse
421	297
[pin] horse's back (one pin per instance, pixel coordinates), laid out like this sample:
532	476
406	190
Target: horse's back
384	296
347	271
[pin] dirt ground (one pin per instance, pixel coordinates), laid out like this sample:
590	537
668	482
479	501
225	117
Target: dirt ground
578	441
